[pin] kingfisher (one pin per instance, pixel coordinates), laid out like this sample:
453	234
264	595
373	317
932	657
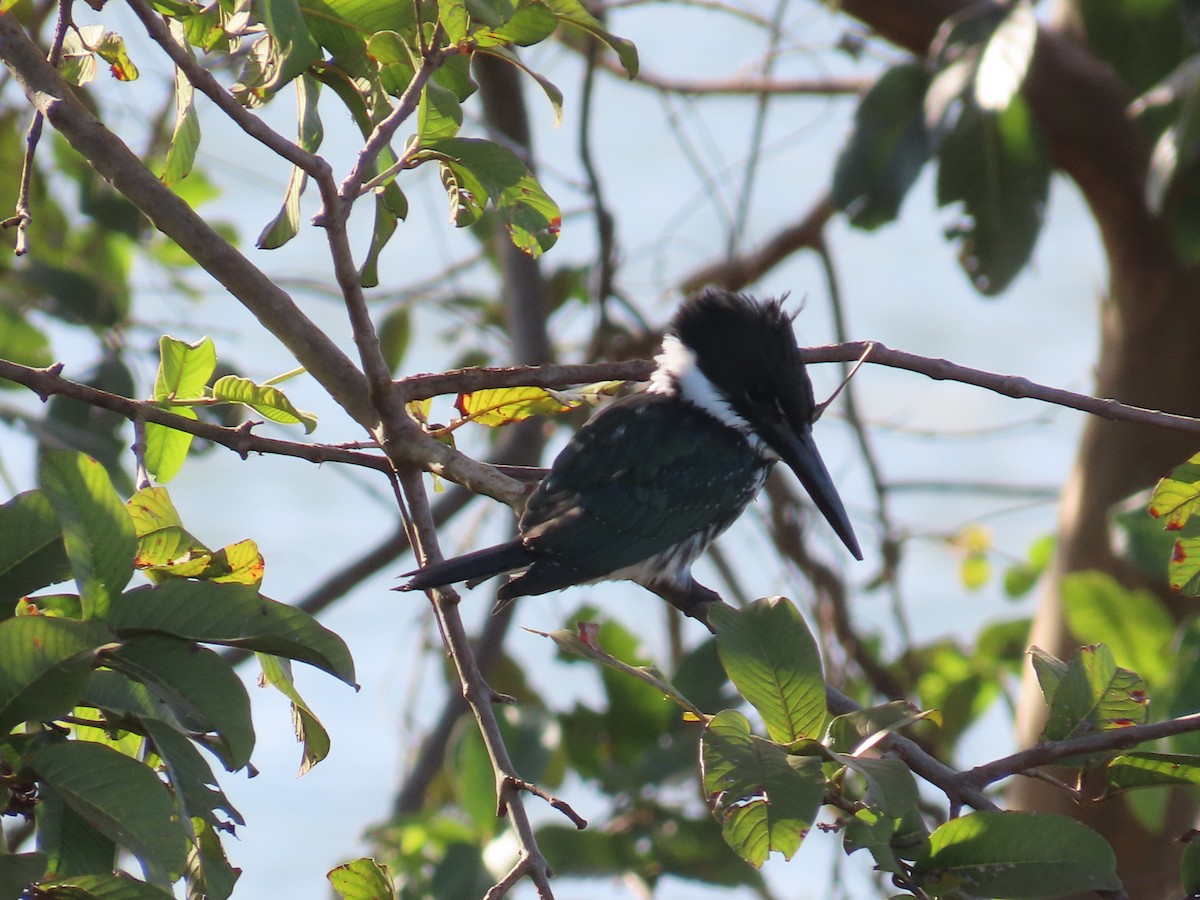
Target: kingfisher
652	479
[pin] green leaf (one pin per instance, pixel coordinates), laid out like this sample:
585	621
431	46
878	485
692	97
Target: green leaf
1183	571
503	406
185	139
159	529
310	732
886	150
847	732
572	12
234	615
390	205
116	886
1133	624
111	49
183	369
286	224
871	831
773	661
45	663
72	845
21	342
453	16
295	47
97	531
1017	855
1189	866
892	789
166	447
196	789
1143	769
1177	495
1050	671
19	870
1095	695
529	24
996	166
439	114
362	879
265	400
199	686
475	171
208	868
32	554
119	797
1005	58
764	798
395	333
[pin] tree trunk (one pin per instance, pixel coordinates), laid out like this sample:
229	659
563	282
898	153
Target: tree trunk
1150	320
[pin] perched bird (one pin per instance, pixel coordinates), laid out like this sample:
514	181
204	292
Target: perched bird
648	482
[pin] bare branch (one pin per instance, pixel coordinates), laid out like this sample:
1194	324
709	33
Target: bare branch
1049	752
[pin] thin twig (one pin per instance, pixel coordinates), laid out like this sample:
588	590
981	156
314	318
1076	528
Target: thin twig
475	689
889	540
23	215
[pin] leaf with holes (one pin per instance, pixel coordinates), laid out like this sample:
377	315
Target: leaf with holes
765	798
996	167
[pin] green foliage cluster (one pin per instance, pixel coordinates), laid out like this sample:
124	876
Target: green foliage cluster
108	693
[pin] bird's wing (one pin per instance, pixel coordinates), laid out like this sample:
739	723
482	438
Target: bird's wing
639	477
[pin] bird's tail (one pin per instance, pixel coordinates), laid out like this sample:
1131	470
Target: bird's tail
475	566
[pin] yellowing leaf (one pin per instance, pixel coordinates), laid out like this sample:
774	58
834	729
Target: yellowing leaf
1177	495
500	406
239	563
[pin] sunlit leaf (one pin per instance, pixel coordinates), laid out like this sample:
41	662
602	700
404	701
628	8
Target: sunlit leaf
311	734
1019	854
362	879
1095	695
97	531
184	369
286	223
45	663
773	661
1006	58
765	798
263	399
166	447
502	406
32	554
1177	495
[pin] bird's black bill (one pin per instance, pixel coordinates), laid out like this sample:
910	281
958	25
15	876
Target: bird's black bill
799	451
